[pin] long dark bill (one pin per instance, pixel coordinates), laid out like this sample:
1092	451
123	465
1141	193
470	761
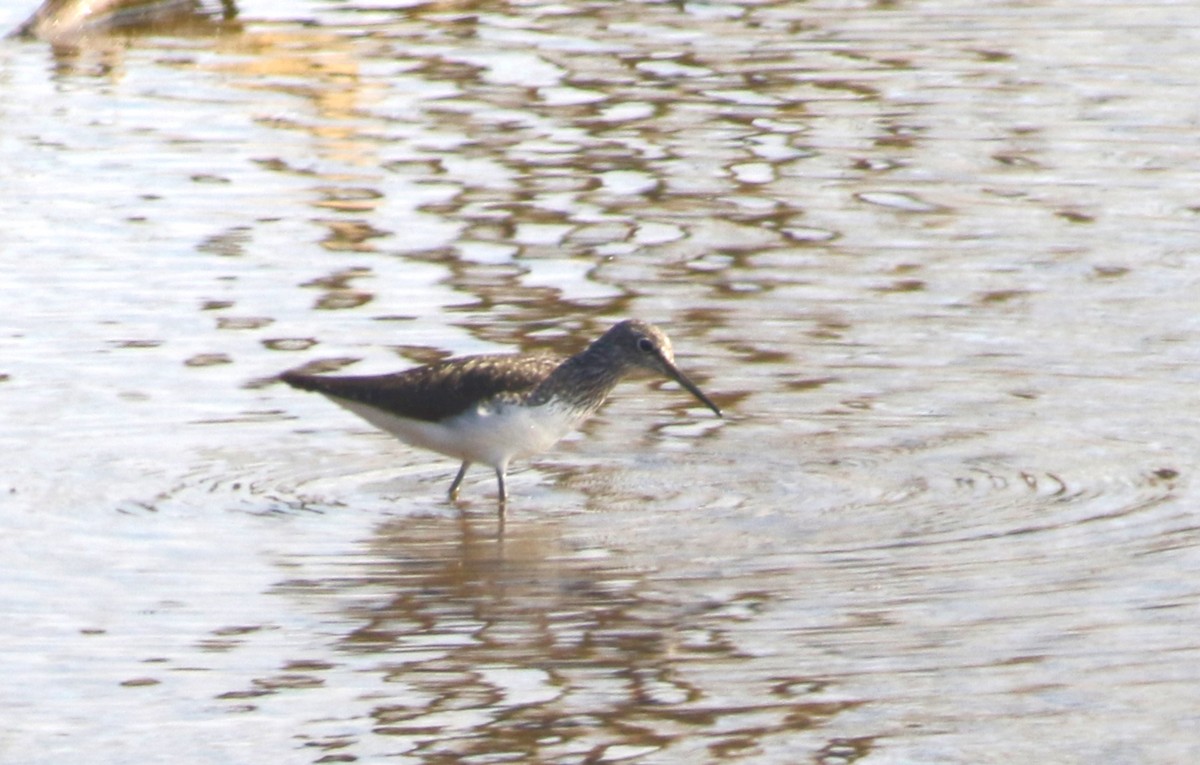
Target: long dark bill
690	386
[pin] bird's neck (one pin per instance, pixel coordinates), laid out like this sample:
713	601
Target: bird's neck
582	382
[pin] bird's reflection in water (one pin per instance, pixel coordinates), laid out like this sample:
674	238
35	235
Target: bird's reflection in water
525	640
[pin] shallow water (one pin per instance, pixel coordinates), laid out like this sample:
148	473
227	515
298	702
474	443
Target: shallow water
937	261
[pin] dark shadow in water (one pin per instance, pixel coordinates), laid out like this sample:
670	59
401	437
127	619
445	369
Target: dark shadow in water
71	24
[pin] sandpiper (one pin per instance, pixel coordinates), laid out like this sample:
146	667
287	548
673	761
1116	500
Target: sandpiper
495	408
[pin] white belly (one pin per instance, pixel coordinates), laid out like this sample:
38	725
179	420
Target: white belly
491	436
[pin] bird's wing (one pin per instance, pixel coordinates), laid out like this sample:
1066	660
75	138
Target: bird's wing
435	391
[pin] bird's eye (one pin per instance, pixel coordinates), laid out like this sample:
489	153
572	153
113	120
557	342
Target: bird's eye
644	345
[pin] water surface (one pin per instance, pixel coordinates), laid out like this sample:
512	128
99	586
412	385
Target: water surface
937	261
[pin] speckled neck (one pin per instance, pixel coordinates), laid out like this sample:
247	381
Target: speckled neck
582	383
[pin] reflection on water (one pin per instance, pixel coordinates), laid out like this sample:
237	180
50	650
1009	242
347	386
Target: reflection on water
935	259
554	649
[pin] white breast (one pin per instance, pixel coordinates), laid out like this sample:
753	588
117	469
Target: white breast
488	435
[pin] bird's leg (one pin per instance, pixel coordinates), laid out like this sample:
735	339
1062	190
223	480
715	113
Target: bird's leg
462	471
503	496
